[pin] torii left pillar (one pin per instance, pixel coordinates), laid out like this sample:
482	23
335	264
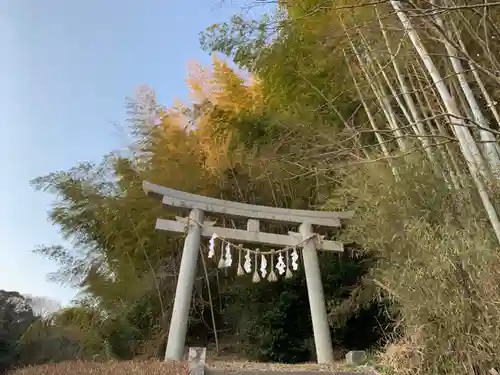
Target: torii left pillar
184	290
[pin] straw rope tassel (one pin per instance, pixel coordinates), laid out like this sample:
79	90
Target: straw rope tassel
288	273
272	276
240	271
248	262
222	262
229	258
256	277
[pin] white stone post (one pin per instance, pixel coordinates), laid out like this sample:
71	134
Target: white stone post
184	290
321	328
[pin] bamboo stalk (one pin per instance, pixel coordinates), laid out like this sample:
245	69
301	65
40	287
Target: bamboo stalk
446	153
487	137
479	81
384	103
413	117
372	122
469	148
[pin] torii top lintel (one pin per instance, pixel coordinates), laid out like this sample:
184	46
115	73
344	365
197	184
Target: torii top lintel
180	199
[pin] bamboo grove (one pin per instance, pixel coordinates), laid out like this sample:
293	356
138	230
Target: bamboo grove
388	108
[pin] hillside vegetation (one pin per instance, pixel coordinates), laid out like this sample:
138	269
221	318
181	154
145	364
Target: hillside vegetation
386	108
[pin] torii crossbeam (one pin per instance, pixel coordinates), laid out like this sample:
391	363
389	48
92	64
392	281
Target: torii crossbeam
198	228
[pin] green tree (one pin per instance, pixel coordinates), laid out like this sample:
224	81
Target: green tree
16	315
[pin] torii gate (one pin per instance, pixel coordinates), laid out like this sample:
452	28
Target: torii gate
198	228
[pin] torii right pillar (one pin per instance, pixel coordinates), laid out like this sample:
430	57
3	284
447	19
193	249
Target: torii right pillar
321	328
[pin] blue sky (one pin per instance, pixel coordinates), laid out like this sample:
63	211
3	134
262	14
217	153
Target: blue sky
65	70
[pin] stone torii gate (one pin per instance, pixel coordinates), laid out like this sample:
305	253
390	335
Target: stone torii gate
197	228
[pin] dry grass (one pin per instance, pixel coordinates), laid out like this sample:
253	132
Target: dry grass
106	368
152	367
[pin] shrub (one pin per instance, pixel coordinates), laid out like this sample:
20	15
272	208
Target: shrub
273	319
438	260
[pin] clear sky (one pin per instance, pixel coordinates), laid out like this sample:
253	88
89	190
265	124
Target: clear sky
65	69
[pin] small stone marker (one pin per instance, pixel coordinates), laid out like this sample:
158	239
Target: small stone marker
196	361
356	357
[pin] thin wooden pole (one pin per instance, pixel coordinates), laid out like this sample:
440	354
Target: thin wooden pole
212	313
